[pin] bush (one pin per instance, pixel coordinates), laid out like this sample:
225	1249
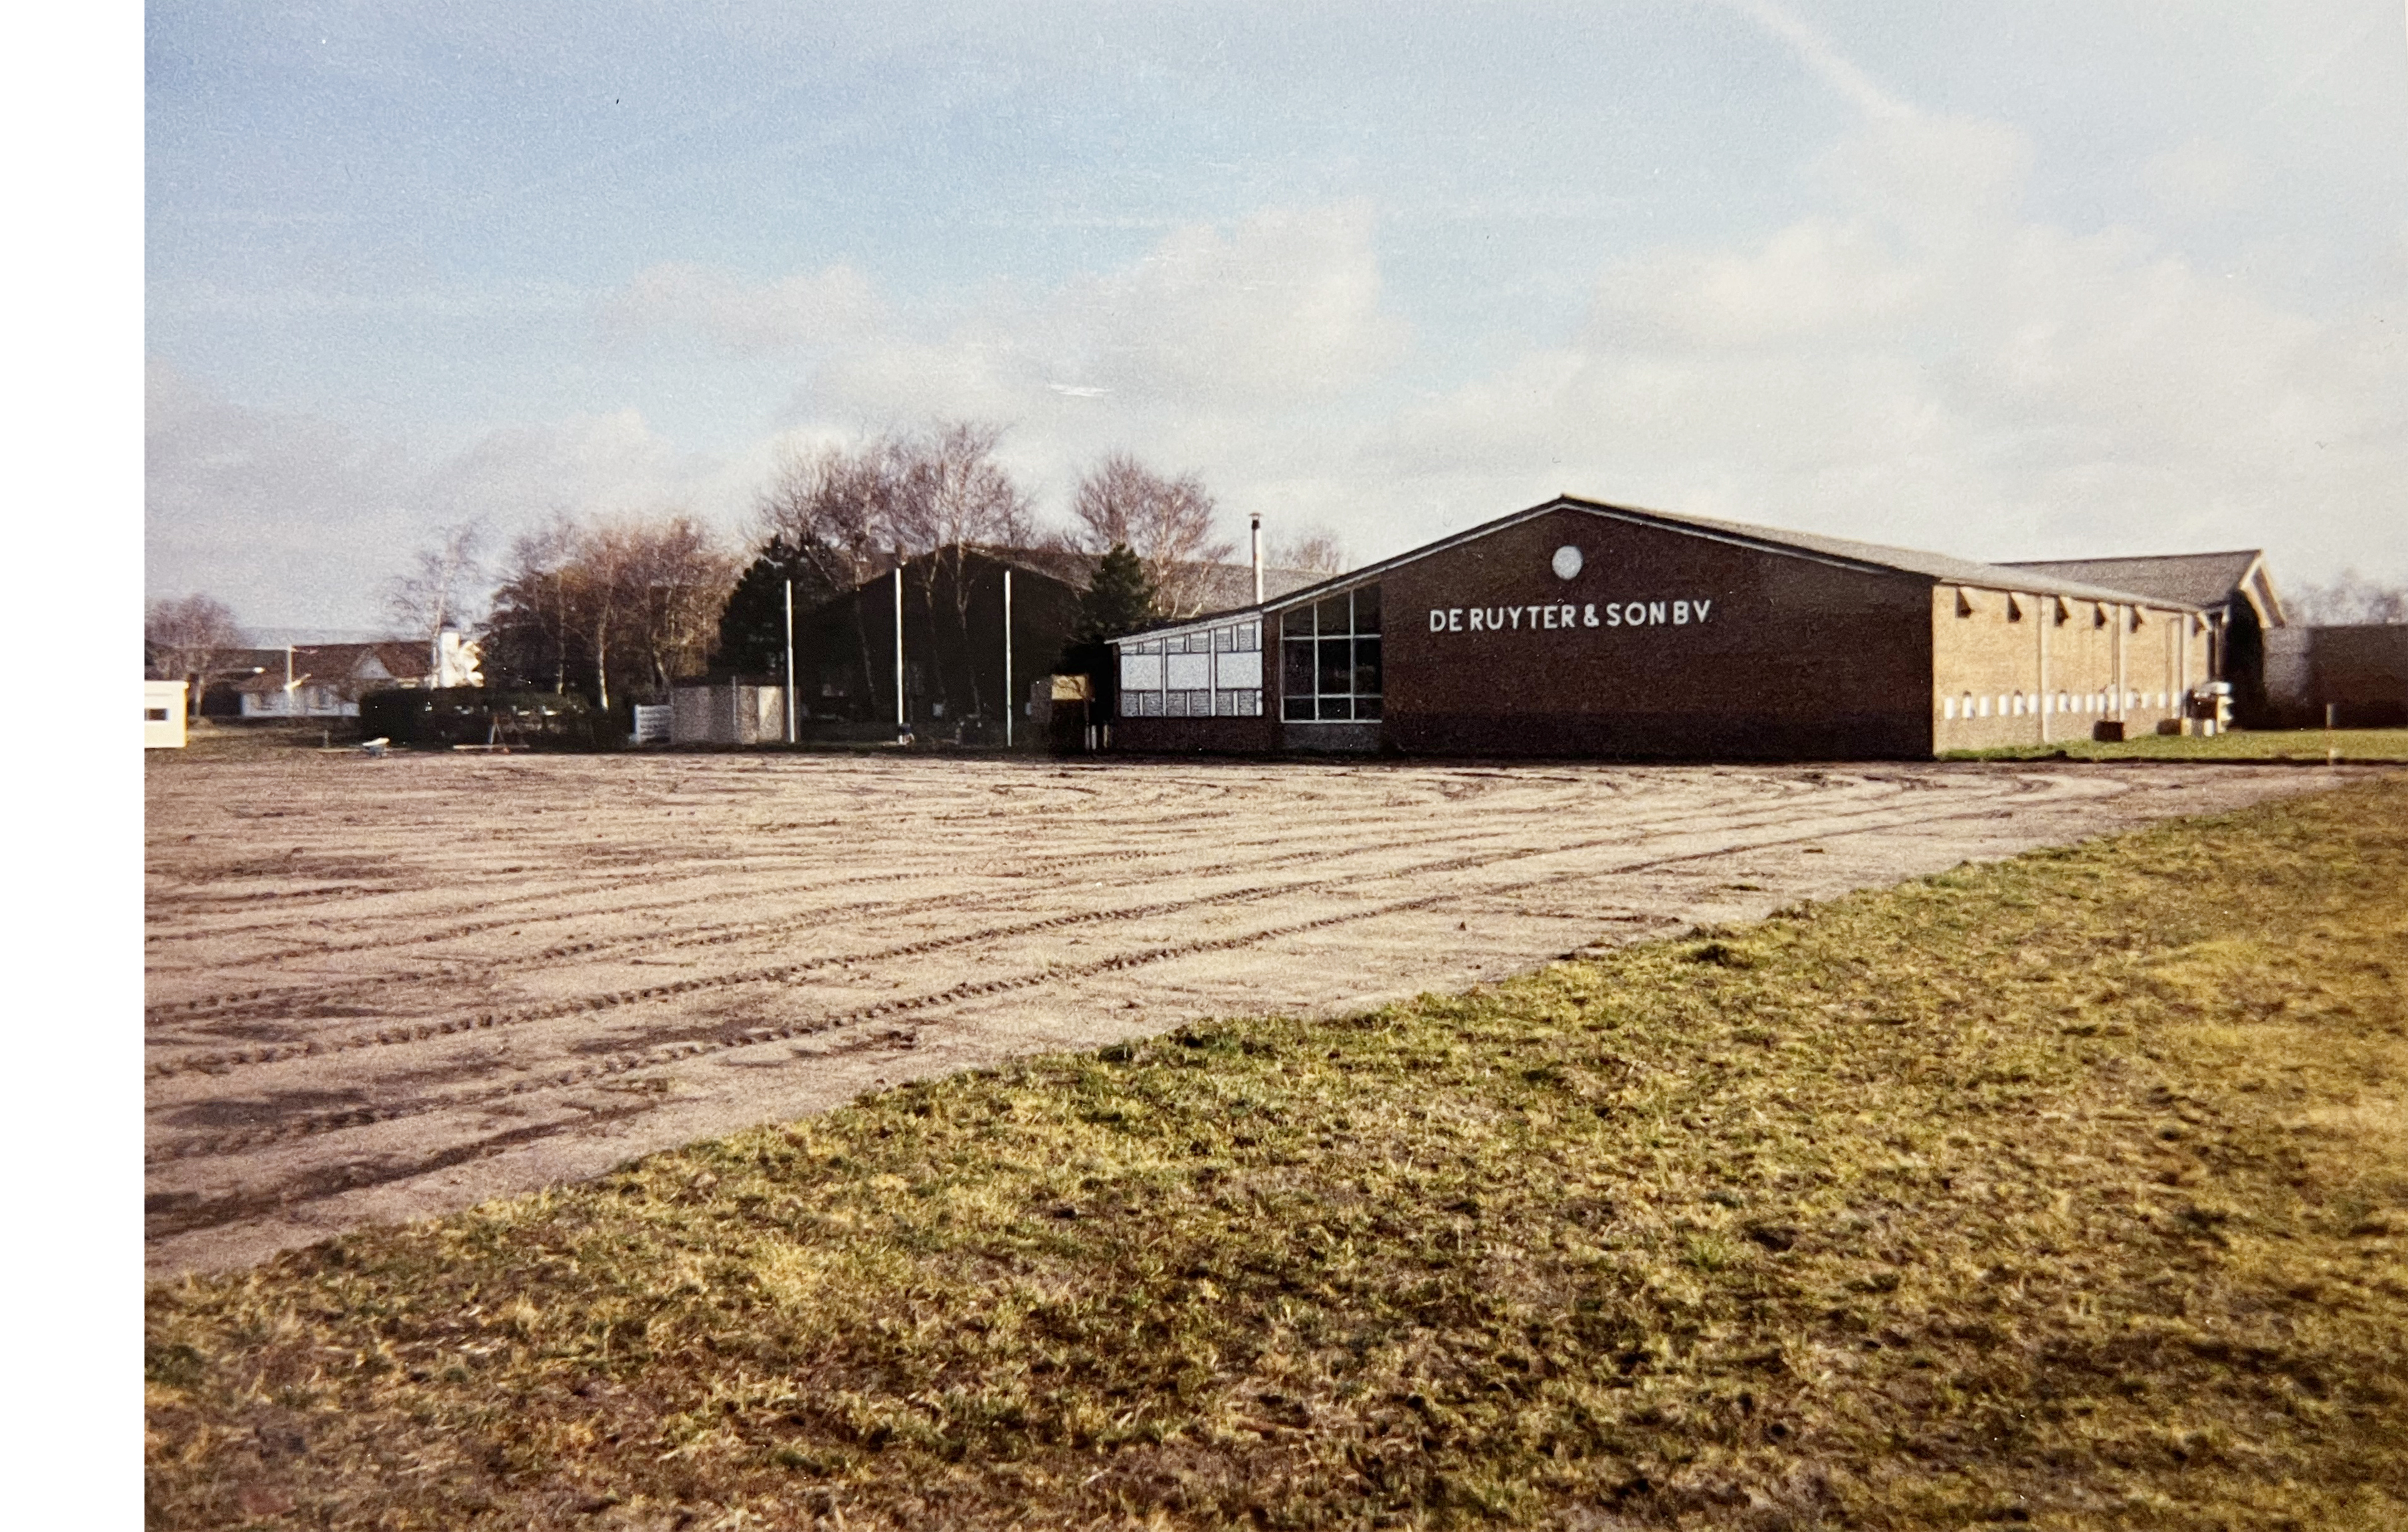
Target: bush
472	715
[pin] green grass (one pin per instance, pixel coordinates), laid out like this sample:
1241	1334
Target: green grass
2072	1191
2236	745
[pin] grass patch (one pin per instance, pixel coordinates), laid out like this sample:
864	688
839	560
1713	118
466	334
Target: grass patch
2070	1191
2234	745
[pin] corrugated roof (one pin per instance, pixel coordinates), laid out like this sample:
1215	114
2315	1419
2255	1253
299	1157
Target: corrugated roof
1940	568
2202	579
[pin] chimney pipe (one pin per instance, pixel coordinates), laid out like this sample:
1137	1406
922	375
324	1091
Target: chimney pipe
1257	539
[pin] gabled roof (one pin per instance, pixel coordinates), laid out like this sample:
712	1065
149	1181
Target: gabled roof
2201	579
324	664
1841	552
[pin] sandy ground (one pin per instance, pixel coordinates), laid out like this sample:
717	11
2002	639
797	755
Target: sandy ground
379	989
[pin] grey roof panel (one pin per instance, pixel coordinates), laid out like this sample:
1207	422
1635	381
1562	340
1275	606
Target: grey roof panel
1940	568
2202	579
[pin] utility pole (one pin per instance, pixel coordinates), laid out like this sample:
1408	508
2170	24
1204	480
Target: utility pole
902	720
1010	705
1256	538
2123	622
2044	610
790	661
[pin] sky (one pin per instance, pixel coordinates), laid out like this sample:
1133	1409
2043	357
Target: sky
2041	280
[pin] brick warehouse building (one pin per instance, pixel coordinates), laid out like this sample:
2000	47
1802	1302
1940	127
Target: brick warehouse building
1581	628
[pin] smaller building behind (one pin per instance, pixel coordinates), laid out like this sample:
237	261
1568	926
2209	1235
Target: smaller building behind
327	680
163	715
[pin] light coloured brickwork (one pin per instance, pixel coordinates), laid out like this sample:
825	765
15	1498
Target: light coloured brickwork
2013	667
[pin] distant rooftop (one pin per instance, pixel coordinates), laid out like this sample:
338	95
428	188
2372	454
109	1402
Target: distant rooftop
2202	579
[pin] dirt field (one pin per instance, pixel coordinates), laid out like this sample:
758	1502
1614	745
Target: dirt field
378	989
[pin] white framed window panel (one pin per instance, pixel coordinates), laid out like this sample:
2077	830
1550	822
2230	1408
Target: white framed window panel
1211	673
1188	672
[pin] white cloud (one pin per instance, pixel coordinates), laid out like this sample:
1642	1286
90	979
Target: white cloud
1916	358
1283	309
298	522
1930	367
2198	179
1918	361
804	309
1234	350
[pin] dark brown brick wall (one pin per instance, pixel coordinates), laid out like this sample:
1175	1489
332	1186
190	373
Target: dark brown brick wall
1197	735
1790	658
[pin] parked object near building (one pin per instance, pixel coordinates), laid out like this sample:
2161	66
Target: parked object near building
731	712
1582	628
162	714
2359	672
2232	588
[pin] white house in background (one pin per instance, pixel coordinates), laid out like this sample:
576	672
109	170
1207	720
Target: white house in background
327	680
458	661
163	715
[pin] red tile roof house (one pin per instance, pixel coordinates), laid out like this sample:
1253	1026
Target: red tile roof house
327	680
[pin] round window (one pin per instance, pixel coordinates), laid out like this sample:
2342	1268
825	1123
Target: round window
1568	562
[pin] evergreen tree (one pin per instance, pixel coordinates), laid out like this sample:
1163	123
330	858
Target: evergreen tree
752	625
1119	597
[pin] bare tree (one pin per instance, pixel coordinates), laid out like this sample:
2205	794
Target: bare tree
1167	522
678	579
624	604
834	509
2352	599
853	515
955	496
1314	549
533	623
188	639
437	592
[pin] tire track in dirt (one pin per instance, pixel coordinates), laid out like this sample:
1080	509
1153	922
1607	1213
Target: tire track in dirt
654	877
717	1040
371	1132
279	1001
207	1063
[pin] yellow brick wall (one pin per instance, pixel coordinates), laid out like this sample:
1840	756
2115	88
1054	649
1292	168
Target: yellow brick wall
1988	648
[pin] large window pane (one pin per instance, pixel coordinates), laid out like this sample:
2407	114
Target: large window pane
1337	667
1367	667
1330	660
1295	671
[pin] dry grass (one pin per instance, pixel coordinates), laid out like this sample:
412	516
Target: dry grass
2234	745
2071	1190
